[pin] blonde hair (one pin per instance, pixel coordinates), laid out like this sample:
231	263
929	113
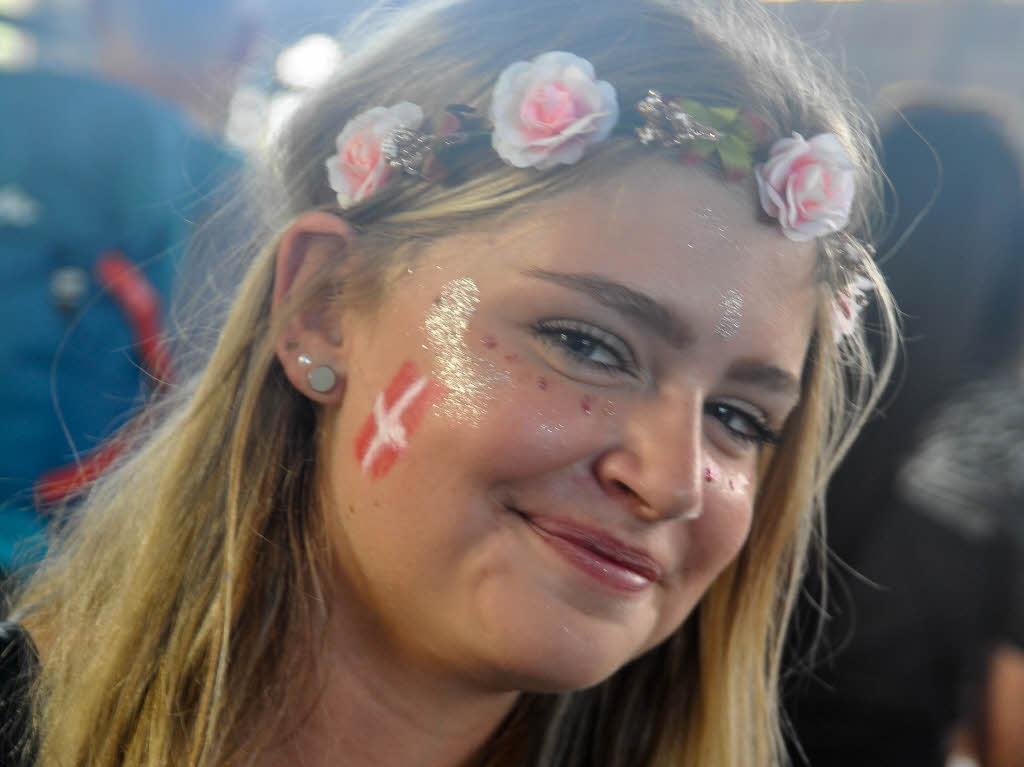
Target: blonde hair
177	605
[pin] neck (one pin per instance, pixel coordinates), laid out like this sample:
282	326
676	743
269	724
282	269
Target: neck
370	706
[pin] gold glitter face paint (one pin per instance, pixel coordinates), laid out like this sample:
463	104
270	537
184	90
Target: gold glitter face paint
714	224
731	305
738	483
466	376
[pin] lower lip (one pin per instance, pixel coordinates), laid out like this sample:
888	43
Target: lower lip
605	571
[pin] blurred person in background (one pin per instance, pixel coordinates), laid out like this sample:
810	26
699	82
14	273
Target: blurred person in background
104	176
926	625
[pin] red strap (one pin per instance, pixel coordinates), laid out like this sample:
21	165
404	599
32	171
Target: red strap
140	302
57	484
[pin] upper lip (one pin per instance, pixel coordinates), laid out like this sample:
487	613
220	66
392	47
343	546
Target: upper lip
600	543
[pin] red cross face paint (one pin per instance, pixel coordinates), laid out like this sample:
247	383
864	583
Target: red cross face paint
397	413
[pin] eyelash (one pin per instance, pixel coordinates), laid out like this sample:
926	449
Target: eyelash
561	334
758	433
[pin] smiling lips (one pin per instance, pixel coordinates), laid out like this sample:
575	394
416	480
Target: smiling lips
607	560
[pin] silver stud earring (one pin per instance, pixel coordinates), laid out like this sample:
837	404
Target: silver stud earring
304	360
322	379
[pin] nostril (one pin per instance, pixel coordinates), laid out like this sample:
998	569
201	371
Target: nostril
623	488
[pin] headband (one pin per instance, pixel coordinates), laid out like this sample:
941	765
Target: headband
553	110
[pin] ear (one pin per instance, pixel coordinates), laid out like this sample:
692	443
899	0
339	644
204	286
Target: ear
311	337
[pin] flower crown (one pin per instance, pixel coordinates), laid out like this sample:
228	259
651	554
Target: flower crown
552	111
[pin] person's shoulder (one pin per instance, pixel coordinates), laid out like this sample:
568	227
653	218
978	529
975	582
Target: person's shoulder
65	111
79	142
18	656
18	667
74	96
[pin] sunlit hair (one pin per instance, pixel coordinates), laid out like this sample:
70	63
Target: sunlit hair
176	610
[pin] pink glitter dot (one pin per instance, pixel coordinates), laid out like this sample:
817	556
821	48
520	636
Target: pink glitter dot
542	383
709	476
489	341
585	404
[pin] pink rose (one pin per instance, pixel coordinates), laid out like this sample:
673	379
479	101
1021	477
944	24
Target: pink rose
548	111
360	169
846	307
807	185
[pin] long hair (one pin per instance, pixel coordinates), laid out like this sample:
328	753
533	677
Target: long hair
176	609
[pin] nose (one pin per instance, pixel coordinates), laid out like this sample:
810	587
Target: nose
656	468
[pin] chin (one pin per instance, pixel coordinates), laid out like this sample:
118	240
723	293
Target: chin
552	680
559	664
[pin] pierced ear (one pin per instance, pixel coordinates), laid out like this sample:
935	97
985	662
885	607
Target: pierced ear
311	337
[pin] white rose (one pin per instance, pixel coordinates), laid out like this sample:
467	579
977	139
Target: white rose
807	185
548	111
359	169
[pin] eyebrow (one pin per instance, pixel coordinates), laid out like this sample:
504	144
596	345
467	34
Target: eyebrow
667	324
653	315
768	377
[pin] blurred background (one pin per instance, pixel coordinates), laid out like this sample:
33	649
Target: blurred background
122	123
951	43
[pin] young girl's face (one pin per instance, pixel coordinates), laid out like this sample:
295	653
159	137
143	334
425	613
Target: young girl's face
550	432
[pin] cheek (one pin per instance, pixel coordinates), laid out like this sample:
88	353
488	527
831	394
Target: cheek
533	414
396	415
457	364
722	529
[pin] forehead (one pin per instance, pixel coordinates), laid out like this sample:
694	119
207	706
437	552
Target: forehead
672	231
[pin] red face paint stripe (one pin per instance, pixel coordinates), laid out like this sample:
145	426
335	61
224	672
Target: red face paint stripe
397	413
404	378
365	435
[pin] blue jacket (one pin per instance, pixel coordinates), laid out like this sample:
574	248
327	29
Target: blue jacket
86	167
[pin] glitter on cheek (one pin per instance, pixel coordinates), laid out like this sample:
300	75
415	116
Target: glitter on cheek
709	474
542	383
489	342
608	408
739	483
732	314
585	404
466	377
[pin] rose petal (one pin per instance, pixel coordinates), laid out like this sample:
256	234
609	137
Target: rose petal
807	185
548	111
359	169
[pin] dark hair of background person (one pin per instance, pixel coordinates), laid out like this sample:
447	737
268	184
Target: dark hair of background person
957	277
912	602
